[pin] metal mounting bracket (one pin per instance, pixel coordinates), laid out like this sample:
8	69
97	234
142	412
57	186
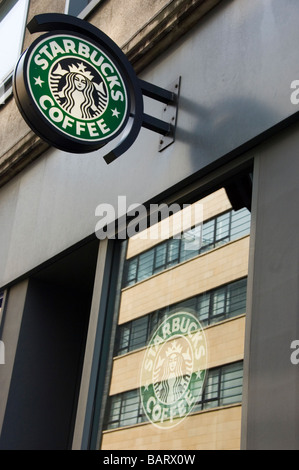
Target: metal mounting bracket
165	127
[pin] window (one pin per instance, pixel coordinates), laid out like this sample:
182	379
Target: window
223	387
145	265
211	307
200	239
13	15
125	409
80	7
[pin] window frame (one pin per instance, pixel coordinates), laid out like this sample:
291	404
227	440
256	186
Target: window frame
205	403
6	86
85	11
204	248
3	296
152	319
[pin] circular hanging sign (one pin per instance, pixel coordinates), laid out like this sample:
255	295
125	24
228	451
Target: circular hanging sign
71	92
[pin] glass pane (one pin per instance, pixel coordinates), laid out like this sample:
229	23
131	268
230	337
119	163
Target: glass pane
76	6
153	322
197	390
146	265
141	413
236	298
240	223
124	339
191	243
203	309
130	274
173	252
219	303
129	409
114	412
138	333
222	228
160	257
211	394
208	234
187	305
11	35
231	384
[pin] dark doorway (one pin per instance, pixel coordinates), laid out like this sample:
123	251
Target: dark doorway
44	390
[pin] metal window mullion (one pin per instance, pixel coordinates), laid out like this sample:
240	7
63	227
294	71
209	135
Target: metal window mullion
137	268
211	306
219	384
197	309
130	336
230	225
203	397
180	250
154	260
122	397
117	345
167	253
148	326
109	420
141	414
225	301
215	231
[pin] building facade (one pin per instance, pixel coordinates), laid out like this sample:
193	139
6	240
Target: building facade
177	329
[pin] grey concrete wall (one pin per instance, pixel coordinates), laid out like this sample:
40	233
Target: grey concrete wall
271	384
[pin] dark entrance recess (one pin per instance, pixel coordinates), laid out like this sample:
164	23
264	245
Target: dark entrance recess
41	409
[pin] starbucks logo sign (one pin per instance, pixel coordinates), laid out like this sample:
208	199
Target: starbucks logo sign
72	92
173	370
77	90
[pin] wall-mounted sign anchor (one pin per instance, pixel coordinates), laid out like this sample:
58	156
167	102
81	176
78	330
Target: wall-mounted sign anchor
77	90
169	97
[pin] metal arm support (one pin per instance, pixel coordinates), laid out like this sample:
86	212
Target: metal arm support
170	99
157	93
157	125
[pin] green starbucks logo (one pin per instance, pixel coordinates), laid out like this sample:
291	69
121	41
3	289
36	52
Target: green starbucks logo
75	94
173	370
77	88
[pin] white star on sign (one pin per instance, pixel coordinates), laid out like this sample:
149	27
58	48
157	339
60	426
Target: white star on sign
115	112
81	67
38	81
146	386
